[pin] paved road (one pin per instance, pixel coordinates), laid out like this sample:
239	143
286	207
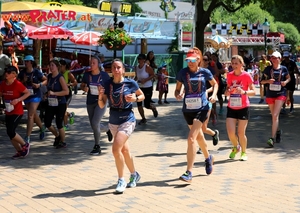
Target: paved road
71	180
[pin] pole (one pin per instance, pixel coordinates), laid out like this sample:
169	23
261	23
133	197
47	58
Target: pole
265	39
115	27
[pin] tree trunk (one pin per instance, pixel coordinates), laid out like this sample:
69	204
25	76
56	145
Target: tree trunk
144	46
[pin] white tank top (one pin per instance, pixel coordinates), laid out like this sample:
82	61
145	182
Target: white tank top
142	74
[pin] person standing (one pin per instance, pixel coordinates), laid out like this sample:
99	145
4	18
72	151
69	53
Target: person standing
277	76
195	107
120	93
239	87
144	75
90	83
13	93
57	91
33	79
150	58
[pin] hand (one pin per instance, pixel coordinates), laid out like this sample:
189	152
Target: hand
51	92
14	102
179	97
86	89
35	86
271	81
283	83
101	90
130	97
212	99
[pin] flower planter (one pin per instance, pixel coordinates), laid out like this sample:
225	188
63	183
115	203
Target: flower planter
115	46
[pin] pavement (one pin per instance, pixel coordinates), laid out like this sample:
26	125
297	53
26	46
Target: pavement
71	180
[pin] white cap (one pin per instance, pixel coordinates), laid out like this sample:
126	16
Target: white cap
276	54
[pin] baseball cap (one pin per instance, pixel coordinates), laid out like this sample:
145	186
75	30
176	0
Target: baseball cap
286	54
276	54
191	54
28	58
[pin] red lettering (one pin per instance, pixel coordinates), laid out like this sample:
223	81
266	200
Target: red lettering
72	15
58	14
6	17
34	14
51	15
43	17
64	15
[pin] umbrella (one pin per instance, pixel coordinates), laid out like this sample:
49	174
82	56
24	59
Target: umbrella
49	32
86	38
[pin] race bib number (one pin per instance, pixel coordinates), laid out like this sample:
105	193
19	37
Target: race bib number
235	100
30	89
52	100
276	86
94	88
8	106
193	102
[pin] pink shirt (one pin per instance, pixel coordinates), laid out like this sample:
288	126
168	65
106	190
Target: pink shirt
244	80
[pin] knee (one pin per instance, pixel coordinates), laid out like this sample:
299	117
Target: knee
11	133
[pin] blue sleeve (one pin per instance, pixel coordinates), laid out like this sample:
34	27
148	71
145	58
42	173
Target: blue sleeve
209	76
106	85
105	76
85	78
135	85
39	75
179	76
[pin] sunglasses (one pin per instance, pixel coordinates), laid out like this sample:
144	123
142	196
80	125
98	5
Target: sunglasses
205	59
191	60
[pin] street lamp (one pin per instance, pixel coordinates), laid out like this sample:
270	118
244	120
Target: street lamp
266	28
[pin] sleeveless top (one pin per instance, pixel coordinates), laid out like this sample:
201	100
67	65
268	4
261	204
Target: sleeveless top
141	73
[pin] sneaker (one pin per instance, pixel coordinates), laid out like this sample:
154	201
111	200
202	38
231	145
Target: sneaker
291	110
283	112
66	127
109	135
221	111
42	133
209	164
166	102
270	142
17	155
243	156
143	121
187	177
56	140
199	151
61	145
134	178
261	101
121	186
234	151
159	102
96	150
216	138
153	102
278	136
71	118
25	150
155	113
27	139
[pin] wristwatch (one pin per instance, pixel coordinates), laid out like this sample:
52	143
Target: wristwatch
245	93
137	98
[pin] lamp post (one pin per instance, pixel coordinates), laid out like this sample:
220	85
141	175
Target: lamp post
266	28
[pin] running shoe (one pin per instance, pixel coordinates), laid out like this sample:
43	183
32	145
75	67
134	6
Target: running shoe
66	127
270	142
199	151
134	178
221	111
42	133
17	155
96	150
234	151
56	140
155	113
61	145
159	102
216	138
278	136
187	176
109	136
261	101
71	118
166	102
153	102
121	186
209	164
25	150
143	121
244	156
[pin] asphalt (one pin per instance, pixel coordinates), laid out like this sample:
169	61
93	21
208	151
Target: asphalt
71	180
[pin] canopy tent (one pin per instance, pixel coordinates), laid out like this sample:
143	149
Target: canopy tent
217	42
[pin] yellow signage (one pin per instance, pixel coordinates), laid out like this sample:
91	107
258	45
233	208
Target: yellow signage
105	6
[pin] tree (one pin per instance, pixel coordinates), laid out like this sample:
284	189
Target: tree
290	32
205	8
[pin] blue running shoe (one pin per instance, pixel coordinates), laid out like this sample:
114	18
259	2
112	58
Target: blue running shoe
121	186
42	133
134	178
187	177
27	139
209	164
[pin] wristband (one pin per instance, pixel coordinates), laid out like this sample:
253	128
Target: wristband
40	84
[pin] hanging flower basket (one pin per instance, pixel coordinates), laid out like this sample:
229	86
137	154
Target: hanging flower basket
114	46
114	39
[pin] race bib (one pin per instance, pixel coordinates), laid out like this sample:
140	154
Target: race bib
235	100
8	106
193	101
94	88
30	89
276	86
52	100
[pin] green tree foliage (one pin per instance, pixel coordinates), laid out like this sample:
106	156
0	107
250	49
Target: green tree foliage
290	32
